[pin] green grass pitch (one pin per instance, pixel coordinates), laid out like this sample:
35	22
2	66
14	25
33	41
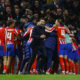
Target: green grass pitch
39	77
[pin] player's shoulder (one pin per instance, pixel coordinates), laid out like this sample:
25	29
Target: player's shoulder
10	29
2	28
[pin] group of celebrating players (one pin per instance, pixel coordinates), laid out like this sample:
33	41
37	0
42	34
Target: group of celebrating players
13	42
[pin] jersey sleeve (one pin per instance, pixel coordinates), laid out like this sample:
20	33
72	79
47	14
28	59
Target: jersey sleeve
16	32
50	30
26	33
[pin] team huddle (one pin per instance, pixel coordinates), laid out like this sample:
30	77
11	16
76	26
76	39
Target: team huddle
44	47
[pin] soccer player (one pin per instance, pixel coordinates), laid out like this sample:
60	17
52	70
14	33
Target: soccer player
29	51
50	44
75	58
62	48
69	51
2	47
18	49
37	44
11	34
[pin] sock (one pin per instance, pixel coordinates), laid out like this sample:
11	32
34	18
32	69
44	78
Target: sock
77	68
5	67
62	64
70	66
66	65
12	66
73	67
7	70
34	64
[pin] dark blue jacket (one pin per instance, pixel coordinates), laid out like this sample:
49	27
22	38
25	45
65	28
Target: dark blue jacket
51	40
29	24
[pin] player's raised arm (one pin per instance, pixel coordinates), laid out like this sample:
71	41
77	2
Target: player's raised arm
49	30
26	33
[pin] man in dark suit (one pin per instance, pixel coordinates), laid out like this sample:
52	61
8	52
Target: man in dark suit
37	44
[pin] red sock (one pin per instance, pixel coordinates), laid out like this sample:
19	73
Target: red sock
66	65
34	64
12	66
73	67
18	67
77	68
5	68
62	63
70	66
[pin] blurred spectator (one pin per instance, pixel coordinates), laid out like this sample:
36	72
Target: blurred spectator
24	5
36	7
8	13
17	14
28	13
76	7
68	10
67	4
36	15
65	16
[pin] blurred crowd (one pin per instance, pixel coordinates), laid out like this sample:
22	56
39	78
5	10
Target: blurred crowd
24	10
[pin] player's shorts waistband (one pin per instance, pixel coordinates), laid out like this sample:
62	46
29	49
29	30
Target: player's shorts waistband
9	43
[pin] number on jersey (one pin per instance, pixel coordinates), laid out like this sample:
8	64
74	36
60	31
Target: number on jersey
9	35
63	33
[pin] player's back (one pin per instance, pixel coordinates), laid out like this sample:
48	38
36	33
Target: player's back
10	35
61	31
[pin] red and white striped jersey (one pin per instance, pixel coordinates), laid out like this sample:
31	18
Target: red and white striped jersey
17	38
61	31
75	47
11	34
29	32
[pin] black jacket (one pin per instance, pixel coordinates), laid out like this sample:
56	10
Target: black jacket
37	32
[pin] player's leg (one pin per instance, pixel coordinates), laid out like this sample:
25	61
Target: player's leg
42	49
2	50
56	63
10	53
73	64
5	63
26	59
9	63
61	57
33	68
76	67
67	51
34	52
49	61
76	60
66	64
18	52
70	57
12	64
